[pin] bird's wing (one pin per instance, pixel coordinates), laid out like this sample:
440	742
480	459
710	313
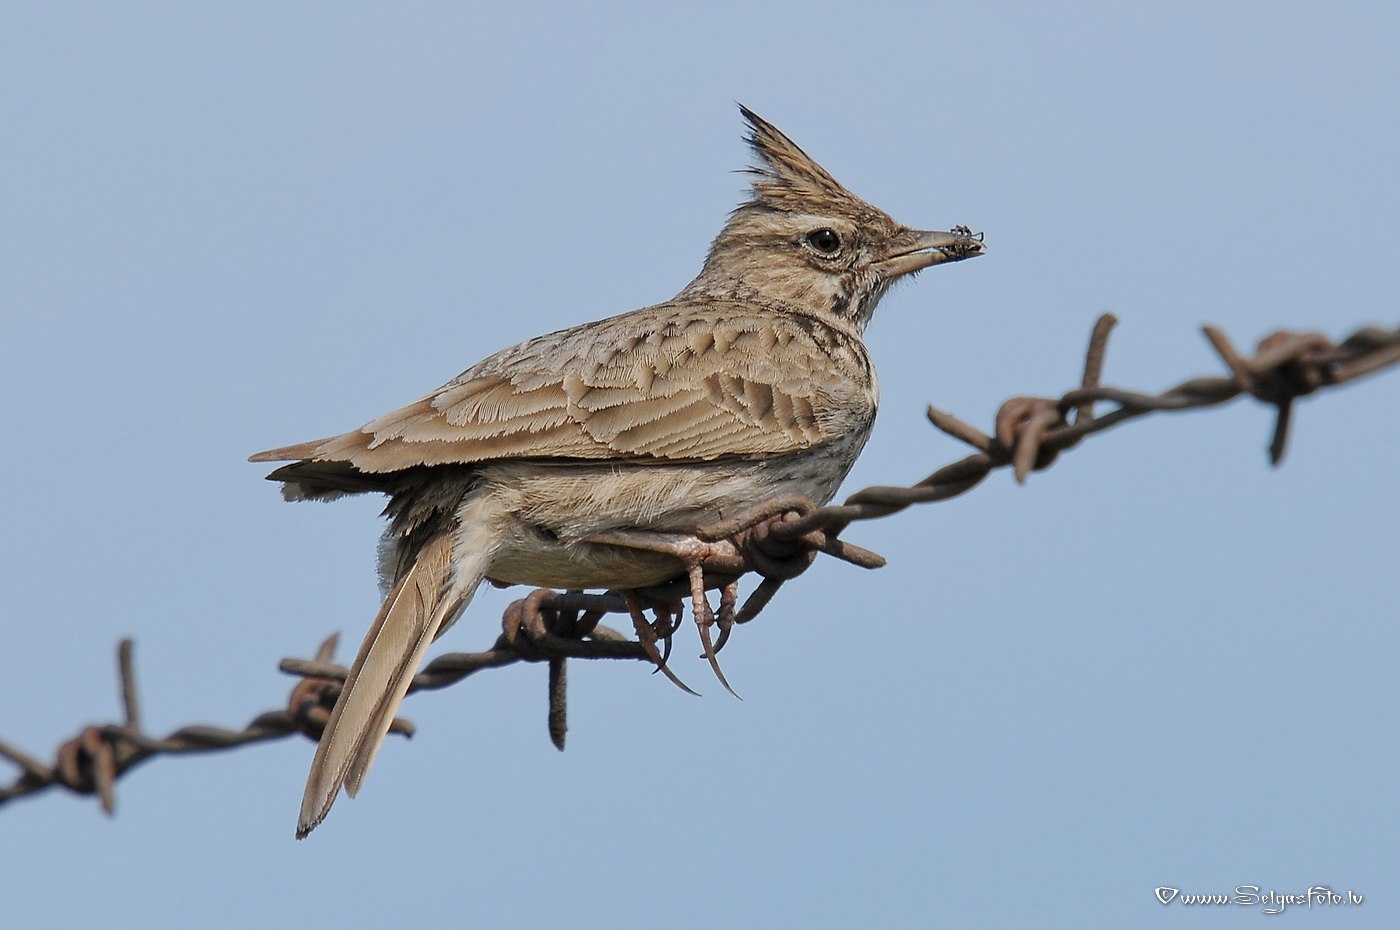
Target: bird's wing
674	383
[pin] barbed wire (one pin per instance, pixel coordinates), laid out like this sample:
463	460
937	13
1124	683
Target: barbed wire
778	540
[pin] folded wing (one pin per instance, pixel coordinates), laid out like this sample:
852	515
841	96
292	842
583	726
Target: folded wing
645	385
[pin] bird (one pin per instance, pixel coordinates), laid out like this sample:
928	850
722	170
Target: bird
587	458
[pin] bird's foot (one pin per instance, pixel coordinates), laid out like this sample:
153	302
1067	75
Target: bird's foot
647	635
692	552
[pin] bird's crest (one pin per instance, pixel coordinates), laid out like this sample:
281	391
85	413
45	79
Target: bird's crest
786	178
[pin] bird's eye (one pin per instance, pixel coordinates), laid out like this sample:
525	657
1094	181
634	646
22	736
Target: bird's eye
825	241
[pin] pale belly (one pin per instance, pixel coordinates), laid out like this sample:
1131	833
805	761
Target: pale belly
543	512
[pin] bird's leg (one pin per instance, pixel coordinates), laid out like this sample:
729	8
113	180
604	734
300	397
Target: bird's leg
692	553
704	620
646	633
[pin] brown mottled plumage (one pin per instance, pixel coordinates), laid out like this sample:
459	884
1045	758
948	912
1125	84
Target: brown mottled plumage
753	381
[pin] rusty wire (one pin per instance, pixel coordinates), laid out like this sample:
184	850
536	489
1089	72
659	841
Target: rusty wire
91	762
778	540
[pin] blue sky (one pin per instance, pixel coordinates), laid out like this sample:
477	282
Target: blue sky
226	228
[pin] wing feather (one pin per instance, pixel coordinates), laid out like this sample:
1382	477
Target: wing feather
678	382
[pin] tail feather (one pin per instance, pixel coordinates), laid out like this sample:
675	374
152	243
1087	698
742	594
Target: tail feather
412	615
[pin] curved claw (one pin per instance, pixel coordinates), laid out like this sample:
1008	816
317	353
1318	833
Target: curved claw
665	669
666	649
647	636
704	619
728	601
713	659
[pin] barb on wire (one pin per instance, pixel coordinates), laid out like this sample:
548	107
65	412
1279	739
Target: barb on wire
777	539
91	762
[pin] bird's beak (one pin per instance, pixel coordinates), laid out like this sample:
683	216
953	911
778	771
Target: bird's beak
933	248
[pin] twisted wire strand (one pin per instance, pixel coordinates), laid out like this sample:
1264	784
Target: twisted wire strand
778	540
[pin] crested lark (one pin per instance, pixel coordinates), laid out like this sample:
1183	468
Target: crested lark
585	458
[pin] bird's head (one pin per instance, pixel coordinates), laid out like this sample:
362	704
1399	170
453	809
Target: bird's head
805	241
